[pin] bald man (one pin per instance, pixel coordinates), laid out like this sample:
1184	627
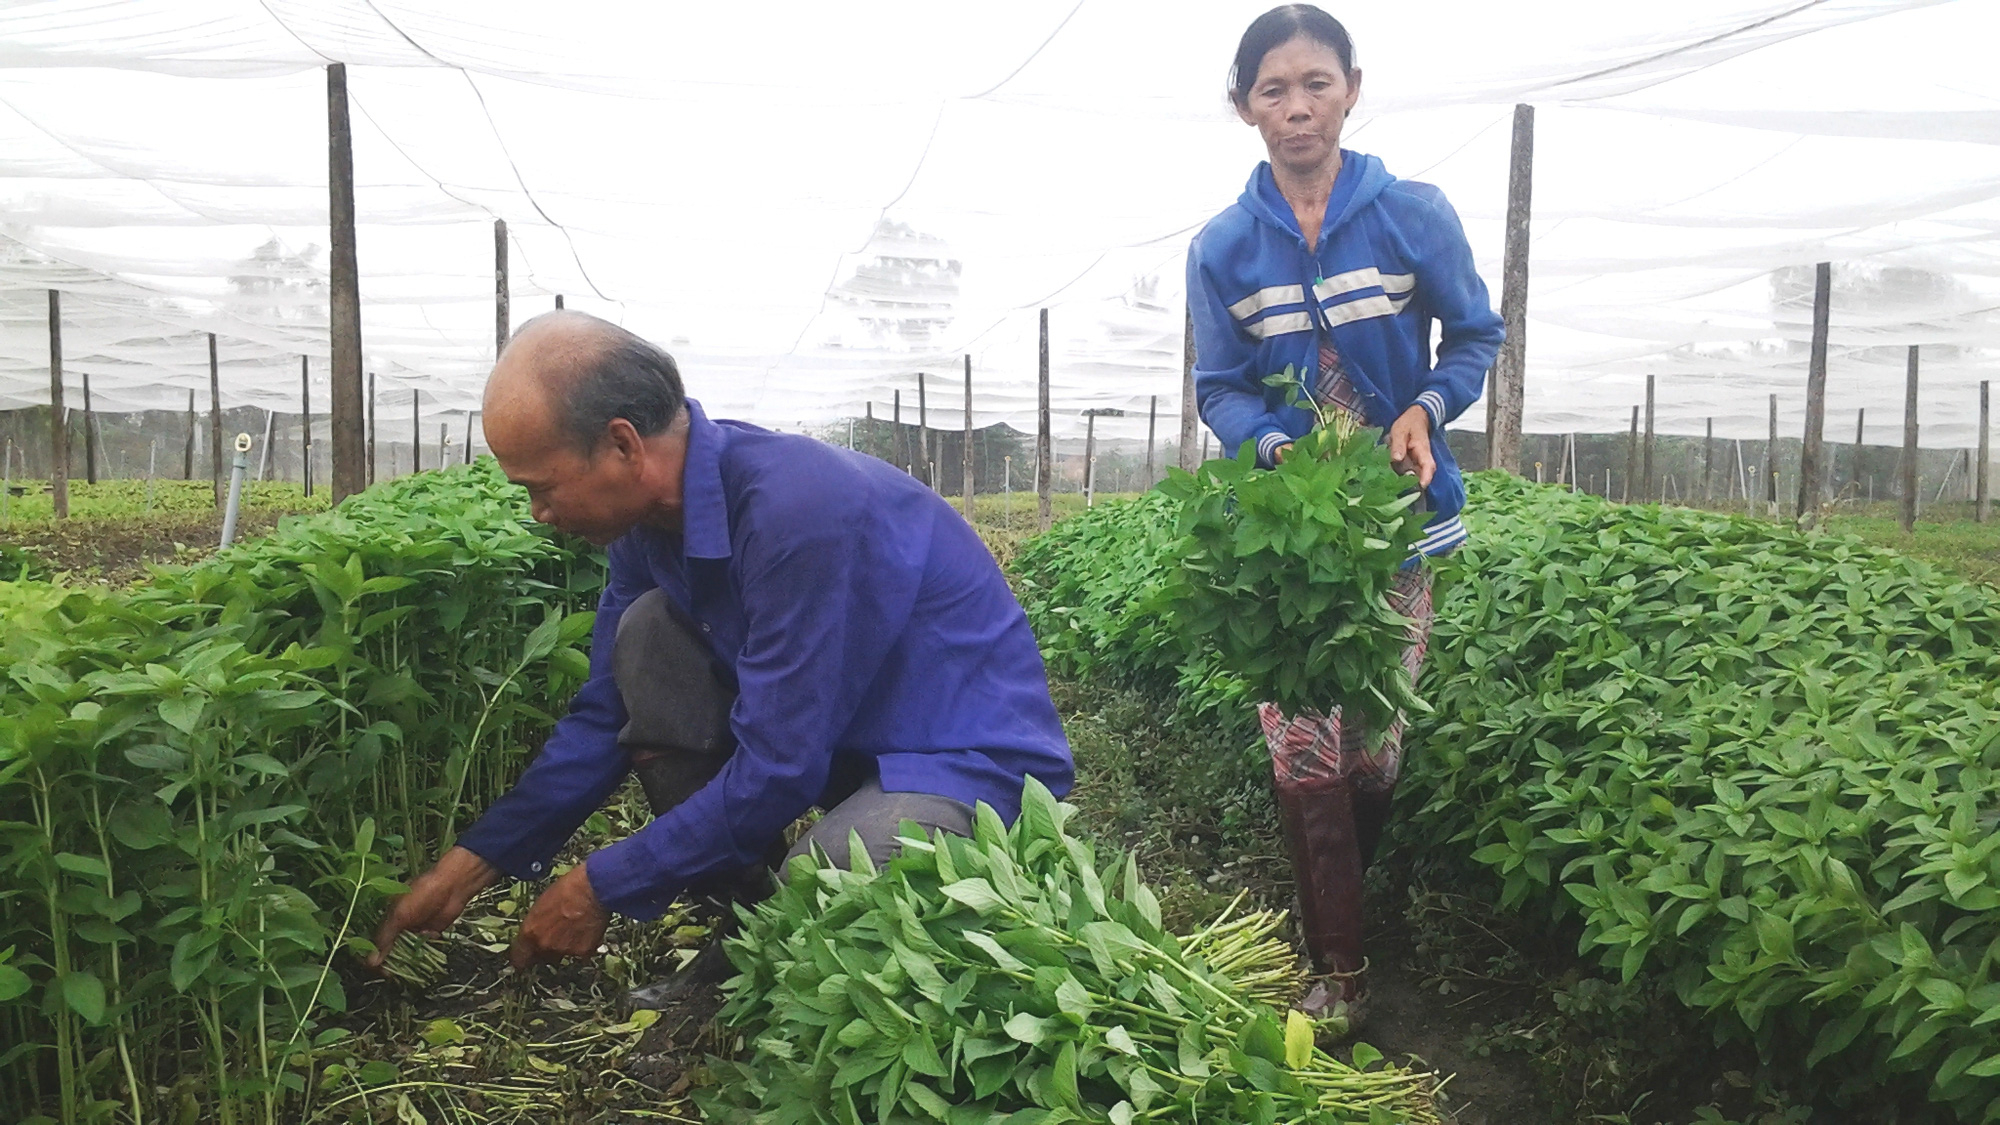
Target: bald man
786	624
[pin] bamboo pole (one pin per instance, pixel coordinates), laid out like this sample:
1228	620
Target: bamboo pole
1982	497
306	425
1771	463
89	435
967	458
1189	419
1631	457
503	313
1860	425
1044	454
1742	476
924	435
1089	457
1503	409
58	428
416	431
187	457
344	405
466	458
1908	467
1152	422
373	464
1812	454
215	420
264	459
1652	481
1708	462
901	448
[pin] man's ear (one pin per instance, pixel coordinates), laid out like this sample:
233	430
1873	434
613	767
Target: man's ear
622	440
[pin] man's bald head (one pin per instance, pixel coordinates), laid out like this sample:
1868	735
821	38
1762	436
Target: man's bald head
575	373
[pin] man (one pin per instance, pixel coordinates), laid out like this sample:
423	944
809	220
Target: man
785	624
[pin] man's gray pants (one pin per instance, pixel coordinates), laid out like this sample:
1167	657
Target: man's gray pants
677	700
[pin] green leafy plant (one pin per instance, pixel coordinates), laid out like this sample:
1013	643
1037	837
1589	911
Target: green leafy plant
192	773
1756	763
1015	977
1284	573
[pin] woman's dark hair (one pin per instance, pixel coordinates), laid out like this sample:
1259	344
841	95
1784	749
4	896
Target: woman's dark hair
1277	27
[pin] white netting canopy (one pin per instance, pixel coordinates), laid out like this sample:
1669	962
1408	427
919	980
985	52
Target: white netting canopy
809	203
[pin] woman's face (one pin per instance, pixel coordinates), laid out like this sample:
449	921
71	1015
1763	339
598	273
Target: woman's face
1299	102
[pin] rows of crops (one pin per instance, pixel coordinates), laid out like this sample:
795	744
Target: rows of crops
1755	764
208	783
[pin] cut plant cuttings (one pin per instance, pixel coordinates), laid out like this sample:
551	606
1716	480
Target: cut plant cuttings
1013	976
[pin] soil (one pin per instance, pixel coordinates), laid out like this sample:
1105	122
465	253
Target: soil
118	551
1420	1028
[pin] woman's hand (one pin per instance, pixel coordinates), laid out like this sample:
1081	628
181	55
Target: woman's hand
436	899
1410	445
566	921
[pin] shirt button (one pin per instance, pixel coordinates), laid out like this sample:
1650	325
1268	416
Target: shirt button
535	867
706	629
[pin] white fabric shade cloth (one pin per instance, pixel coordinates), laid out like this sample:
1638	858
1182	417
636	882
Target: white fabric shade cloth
810	203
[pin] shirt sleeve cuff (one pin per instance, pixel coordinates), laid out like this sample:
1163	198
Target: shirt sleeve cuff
1433	404
625	882
519	860
1267	447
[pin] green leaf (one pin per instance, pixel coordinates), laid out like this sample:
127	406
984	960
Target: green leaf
84	994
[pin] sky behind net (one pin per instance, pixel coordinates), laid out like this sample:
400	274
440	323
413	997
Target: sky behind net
810	203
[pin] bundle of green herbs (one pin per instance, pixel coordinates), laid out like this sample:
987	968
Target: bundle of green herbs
1016	977
1285	572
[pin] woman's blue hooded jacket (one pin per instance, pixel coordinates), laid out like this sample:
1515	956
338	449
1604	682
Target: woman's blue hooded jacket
1391	259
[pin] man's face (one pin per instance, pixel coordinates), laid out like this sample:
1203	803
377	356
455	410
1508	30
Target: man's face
597	497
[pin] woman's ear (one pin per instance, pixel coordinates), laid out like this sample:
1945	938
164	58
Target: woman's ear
1243	111
1353	90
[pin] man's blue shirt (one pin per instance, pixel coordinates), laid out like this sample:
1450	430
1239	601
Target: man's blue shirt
863	619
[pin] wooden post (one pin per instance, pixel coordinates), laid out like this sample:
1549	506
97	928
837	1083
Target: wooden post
502	314
1152	421
1860	421
306	424
1190	419
1982	497
1742	476
967	460
899	449
1771	463
1044	455
372	464
344	408
1631	457
466	458
89	435
559	300
215	420
1812	461
187	458
924	434
444	442
1708	463
1089	457
1652	482
1908	468
416	431
1508	379
58	431
264	459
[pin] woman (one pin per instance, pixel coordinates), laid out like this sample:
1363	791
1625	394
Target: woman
1333	268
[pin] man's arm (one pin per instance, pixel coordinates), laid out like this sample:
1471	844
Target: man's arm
578	767
826	590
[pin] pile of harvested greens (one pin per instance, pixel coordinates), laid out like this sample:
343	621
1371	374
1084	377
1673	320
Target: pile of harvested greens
1012	977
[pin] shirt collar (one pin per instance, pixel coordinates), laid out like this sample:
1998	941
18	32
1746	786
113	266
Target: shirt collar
704	511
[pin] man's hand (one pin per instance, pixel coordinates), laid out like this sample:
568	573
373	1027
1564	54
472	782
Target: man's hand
436	899
566	921
1410	445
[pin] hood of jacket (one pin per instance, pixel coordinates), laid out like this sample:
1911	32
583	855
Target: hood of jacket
1362	178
